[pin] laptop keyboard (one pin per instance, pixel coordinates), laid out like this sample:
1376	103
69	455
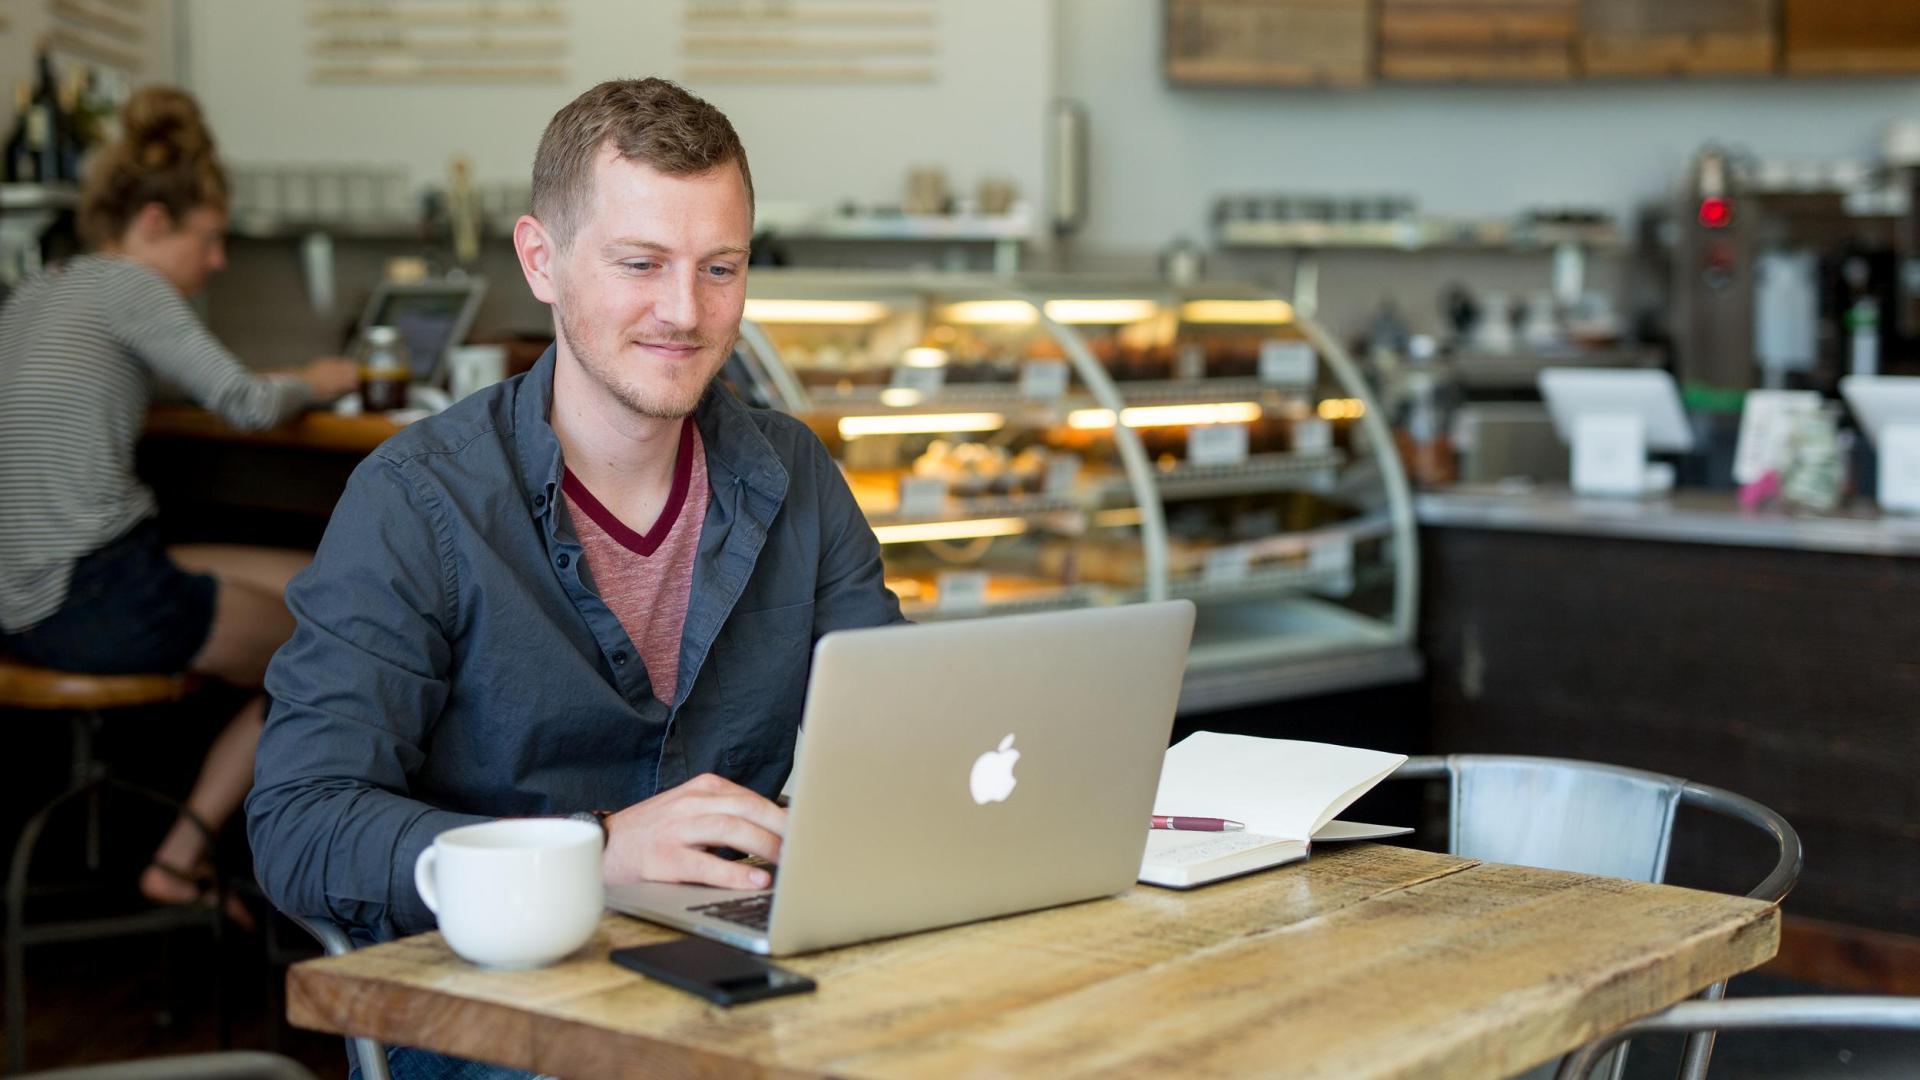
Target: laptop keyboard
749	911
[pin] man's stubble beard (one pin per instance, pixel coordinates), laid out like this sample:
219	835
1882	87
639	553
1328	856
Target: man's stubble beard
607	375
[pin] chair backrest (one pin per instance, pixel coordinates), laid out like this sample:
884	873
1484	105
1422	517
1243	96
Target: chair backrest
1586	817
1562	815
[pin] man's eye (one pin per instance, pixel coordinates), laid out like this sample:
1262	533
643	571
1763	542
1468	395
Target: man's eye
641	264
720	271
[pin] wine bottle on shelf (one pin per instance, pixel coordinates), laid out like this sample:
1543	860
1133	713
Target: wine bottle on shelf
22	166
49	125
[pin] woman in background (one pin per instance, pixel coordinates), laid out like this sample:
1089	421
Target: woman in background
85	581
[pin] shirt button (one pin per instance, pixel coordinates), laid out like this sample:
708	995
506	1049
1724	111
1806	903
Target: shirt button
563	560
539	501
619	659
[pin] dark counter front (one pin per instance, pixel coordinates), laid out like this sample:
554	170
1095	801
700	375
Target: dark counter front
217	484
1775	656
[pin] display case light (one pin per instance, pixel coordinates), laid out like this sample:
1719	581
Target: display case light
1101	312
1146	416
971	529
816	312
901	397
853	427
989	313
1237	312
924	356
1342	409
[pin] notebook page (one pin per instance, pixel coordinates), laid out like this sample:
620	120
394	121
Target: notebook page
1278	787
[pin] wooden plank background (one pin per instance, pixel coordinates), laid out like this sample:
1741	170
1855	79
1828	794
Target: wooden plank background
1654	38
1270	42
1852	37
1354	42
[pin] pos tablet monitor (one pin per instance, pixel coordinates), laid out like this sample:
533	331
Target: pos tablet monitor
432	316
1888	408
1611	419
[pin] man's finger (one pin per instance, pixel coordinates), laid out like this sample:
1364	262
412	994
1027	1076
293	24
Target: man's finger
726	830
697	867
745	804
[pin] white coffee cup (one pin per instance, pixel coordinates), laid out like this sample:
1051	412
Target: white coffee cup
517	893
475	367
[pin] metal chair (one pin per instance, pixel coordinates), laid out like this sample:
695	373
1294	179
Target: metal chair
83	699
1589	818
1754	1014
371	1055
232	1065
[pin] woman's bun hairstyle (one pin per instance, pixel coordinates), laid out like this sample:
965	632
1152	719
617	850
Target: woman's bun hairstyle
165	155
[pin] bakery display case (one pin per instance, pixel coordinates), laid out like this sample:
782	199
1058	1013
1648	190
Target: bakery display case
1024	443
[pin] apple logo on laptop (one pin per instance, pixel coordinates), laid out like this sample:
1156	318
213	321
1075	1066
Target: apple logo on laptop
992	779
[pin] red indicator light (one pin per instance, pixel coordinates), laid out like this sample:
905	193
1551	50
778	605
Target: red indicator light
1716	213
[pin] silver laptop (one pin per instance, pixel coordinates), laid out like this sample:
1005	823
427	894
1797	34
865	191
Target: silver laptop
955	772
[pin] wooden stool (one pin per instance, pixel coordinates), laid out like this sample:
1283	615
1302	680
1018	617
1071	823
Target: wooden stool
82	698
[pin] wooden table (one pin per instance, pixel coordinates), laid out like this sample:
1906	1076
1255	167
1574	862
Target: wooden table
1364	961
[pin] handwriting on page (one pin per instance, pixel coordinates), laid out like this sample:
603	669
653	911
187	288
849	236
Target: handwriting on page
1168	848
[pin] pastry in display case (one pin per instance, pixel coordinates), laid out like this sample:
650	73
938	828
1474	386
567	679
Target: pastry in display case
1053	441
947	402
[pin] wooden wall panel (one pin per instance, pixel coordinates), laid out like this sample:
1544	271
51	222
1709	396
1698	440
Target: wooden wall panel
1270	42
1659	38
1478	40
1852	37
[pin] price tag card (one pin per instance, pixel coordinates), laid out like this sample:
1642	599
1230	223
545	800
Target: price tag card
926	381
922	496
1063	474
1044	379
1190	361
961	590
1217	444
1229	564
1333	556
1287	363
1312	436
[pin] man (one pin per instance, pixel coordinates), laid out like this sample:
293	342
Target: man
595	587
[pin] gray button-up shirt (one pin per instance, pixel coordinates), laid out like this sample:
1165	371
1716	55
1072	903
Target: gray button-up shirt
452	662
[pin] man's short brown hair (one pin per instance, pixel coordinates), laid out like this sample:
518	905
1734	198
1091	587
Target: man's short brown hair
651	121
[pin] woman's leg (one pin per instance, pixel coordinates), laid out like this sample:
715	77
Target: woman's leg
250	618
225	776
250	621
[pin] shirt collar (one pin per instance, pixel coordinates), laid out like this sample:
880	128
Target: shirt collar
737	451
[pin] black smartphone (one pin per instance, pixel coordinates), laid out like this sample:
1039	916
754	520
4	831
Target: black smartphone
719	973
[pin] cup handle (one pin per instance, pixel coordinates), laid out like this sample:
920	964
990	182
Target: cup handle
423	879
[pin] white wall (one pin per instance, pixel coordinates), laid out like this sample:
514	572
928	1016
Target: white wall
1160	154
818	145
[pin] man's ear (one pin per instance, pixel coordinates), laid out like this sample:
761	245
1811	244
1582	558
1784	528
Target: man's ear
538	258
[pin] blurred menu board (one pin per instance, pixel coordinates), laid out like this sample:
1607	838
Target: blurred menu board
112	33
1270	42
1678	37
1841	37
438	42
809	42
1478	40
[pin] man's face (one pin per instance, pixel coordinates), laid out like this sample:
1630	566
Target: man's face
650	290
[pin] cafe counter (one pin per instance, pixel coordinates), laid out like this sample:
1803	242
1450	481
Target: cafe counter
1771	653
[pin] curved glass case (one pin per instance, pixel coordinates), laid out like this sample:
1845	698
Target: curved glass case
1039	442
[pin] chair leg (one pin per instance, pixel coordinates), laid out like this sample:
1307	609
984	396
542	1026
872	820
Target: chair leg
16	899
1693	1063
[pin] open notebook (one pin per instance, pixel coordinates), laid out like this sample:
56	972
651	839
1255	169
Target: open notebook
1286	792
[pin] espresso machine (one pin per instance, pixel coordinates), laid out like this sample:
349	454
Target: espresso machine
1790	274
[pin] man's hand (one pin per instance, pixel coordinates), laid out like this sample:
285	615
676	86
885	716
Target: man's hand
668	837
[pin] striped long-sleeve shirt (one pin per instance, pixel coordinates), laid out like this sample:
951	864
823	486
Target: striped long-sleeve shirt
82	348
